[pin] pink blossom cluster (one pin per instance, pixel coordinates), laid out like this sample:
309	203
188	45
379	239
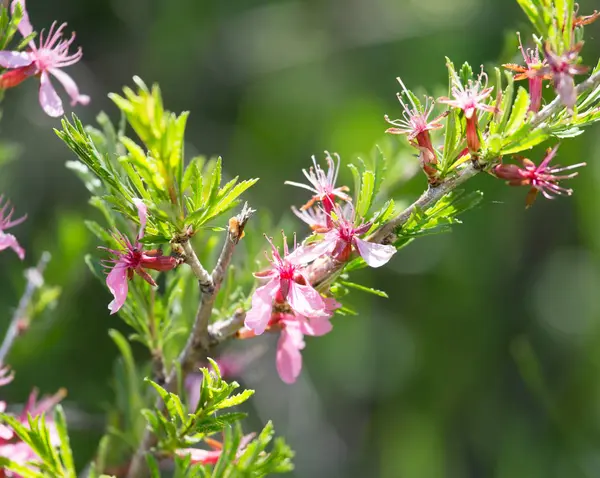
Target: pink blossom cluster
11	446
287	302
49	57
6	222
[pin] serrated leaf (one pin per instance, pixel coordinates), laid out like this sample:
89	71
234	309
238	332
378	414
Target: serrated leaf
518	112
365	198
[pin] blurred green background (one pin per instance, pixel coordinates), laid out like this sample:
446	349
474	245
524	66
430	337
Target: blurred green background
484	362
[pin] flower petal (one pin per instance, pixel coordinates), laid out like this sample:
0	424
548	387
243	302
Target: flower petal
24	26
49	99
306	301
8	240
70	87
288	358
259	314
315	327
306	254
14	59
116	282
198	455
375	255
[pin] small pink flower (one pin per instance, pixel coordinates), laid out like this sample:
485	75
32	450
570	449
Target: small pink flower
211	457
416	125
6	222
291	340
343	239
469	99
542	178
44	60
323	184
562	68
131	258
531	71
287	283
315	217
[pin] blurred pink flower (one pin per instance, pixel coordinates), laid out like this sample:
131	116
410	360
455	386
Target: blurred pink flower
343	238
470	98
6	222
211	457
131	258
323	184
541	178
18	451
287	283
44	60
562	68
315	217
531	71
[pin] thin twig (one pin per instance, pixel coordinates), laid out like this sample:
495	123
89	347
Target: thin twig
34	281
199	340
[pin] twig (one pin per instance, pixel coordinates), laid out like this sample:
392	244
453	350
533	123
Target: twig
199	339
34	281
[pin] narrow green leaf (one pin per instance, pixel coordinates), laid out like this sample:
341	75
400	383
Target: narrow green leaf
365	198
519	112
363	288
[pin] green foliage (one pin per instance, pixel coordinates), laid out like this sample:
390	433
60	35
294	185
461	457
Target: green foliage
552	20
55	460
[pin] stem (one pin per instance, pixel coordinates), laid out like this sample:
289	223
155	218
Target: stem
199	340
34	281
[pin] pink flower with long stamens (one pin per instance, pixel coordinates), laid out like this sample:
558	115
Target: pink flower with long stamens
211	457
49	58
291	340
531	72
470	98
6	222
542	178
562	68
343	239
287	283
416	125
323	184
131	258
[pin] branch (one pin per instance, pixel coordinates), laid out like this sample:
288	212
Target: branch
34	281
199	340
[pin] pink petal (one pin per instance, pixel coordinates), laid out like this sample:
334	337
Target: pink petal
289	359
142	214
198	455
14	59
24	26
70	87
259	314
50	101
375	255
306	254
244	442
118	286
8	240
315	327
306	301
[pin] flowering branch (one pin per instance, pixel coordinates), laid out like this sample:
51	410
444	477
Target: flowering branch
34	281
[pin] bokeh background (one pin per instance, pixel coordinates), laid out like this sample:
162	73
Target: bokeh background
484	362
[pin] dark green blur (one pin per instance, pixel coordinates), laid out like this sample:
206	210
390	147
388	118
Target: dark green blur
484	362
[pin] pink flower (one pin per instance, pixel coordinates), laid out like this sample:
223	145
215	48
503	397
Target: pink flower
131	258
6	222
287	283
211	457
19	452
323	185
343	239
469	99
531	71
416	125
315	217
541	178
44	60
291	340
561	69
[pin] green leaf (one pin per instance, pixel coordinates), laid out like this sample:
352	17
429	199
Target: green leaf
519	112
525	139
363	288
66	454
365	198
